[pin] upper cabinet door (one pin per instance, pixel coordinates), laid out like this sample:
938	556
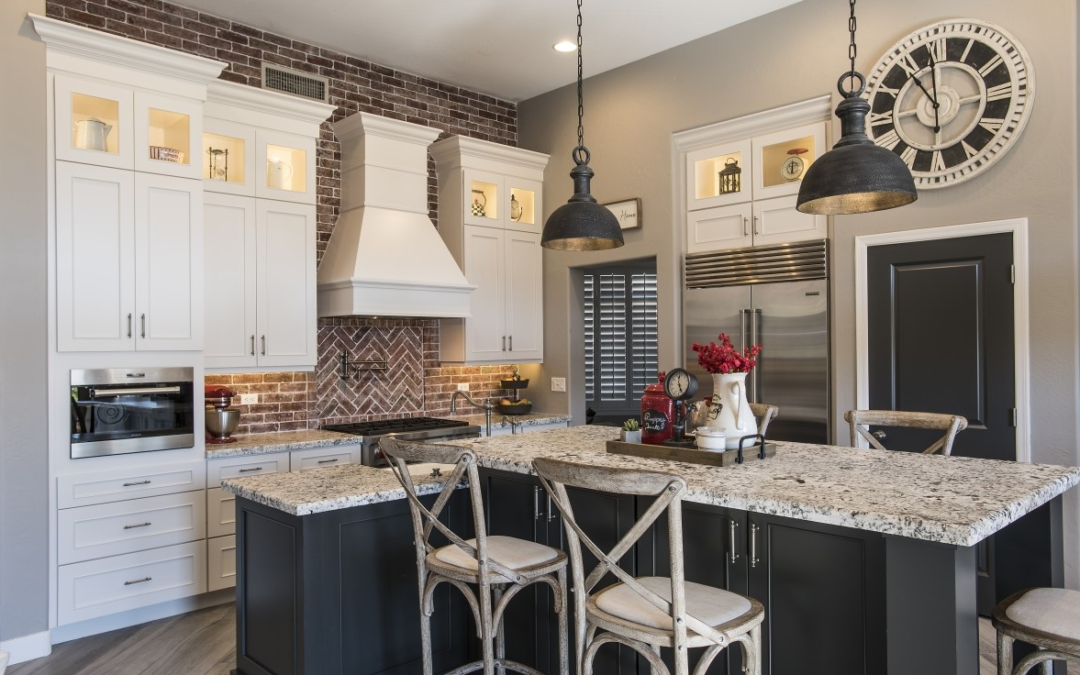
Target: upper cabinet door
524	297
719	228
484	201
719	175
228	157
485	337
524	205
168	263
95	258
286	284
777	221
94	122
782	158
284	167
229	281
168	135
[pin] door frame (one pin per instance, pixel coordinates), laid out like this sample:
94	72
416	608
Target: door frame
1018	227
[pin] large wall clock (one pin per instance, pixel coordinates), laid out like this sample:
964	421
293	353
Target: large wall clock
950	99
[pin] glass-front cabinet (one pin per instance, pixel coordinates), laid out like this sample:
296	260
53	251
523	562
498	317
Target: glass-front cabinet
719	175
782	158
284	166
524	206
228	157
168	132
508	202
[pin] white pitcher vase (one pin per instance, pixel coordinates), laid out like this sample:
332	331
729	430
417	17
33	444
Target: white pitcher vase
735	417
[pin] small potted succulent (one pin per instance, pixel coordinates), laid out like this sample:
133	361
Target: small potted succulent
631	431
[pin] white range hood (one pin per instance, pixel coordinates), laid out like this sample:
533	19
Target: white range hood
385	257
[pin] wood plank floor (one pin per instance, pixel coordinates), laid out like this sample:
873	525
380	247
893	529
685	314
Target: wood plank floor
204	643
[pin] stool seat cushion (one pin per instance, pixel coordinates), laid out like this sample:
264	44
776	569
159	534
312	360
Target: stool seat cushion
712	606
509	551
1050	610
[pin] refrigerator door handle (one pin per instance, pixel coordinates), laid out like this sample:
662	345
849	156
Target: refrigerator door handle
755	325
742	328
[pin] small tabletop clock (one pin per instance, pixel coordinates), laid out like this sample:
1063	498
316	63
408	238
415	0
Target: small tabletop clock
950	99
680	386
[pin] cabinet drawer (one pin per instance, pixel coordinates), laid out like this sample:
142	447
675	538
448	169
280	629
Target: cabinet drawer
220	512
248	465
122	484
103	530
321	458
221	563
110	585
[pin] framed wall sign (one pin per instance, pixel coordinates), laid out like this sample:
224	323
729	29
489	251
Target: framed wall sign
628	211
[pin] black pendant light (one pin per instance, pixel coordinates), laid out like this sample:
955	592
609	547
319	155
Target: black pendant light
581	224
856	176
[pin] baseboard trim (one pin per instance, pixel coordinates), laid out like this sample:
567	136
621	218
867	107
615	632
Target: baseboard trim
27	647
134	617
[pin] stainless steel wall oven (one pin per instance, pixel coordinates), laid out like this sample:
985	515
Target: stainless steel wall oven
118	411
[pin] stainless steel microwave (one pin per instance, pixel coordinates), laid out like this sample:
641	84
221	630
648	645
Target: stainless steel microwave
117	411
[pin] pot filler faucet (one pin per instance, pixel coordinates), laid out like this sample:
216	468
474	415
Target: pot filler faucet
487	406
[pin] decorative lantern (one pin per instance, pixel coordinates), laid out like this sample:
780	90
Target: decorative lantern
731	177
219	163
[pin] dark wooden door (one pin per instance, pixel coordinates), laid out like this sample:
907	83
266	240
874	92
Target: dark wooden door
823	589
940	328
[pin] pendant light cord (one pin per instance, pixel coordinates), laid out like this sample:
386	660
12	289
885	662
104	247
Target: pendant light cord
852	49
580	153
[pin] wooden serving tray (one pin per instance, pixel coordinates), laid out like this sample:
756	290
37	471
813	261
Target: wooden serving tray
690	455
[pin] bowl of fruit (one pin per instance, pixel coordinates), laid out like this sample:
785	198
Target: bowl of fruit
509	406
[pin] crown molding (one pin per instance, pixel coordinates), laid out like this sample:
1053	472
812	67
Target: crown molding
267	101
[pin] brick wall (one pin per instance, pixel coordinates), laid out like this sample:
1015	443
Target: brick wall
415	383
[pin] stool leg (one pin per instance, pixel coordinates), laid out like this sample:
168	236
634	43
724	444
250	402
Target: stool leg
656	650
487	637
1004	654
564	620
1047	667
425	627
755	637
500	630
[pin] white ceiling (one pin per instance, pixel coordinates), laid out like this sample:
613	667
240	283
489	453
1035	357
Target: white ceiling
502	48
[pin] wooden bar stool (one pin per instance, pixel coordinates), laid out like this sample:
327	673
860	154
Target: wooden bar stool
1048	618
647	613
860	421
498	567
764	414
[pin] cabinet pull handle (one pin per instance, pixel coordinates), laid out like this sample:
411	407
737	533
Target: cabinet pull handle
253	344
732	555
264	345
327	461
511	343
755	225
745	231
138	581
142	318
552	513
129	324
753	545
504	343
536	502
138	482
132	527
254	468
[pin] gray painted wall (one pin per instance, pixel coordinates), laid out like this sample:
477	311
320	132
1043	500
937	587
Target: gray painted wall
24	554
792	55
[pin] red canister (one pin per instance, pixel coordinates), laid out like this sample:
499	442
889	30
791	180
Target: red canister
657	413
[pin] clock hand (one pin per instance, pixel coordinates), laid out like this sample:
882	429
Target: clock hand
933	82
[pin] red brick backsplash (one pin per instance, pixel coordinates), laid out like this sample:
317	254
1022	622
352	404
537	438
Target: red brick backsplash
415	382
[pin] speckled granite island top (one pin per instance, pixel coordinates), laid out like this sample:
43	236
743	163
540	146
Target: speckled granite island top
318	490
499	420
952	500
286	441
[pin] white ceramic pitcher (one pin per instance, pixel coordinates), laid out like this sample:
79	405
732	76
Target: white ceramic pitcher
92	134
735	415
278	172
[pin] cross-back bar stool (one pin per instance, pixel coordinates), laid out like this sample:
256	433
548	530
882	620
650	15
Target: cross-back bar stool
498	567
1048	618
861	420
647	613
764	413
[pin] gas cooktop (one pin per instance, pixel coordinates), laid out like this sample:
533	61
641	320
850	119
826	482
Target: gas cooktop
403	425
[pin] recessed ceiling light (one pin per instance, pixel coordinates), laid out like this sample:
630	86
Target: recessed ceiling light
565	46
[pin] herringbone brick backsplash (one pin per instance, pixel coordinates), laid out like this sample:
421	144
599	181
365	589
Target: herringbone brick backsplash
413	384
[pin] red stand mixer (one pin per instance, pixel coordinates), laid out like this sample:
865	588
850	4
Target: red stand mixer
221	420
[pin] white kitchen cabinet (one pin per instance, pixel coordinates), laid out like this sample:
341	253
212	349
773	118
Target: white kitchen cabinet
220	512
229	282
228	157
101	487
322	458
719	227
777	221
239	466
285	271
490	216
284	166
168	135
128	271
94	122
221	563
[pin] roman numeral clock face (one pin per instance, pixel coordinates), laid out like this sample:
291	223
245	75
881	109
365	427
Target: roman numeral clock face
950	99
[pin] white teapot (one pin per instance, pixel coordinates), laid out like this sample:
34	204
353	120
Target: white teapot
92	134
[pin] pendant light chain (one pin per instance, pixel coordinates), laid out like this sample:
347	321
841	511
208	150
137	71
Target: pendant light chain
580	97
852	49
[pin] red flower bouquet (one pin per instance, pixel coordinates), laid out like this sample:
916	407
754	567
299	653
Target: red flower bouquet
724	358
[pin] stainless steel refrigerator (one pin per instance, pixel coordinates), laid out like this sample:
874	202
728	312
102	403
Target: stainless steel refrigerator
776	296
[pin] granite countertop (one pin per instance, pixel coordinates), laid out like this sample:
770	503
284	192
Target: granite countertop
318	490
285	441
952	500
529	420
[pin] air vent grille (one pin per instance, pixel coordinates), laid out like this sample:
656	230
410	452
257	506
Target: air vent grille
294	82
758	265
